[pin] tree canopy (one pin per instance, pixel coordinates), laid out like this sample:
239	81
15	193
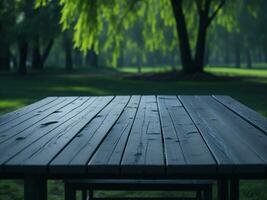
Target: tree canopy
90	18
187	33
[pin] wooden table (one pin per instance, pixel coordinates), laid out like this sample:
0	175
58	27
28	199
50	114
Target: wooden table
160	137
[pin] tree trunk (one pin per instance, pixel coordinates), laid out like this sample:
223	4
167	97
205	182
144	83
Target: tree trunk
38	59
23	51
92	59
4	47
237	55
185	51
121	58
4	58
68	51
46	53
14	60
226	57
36	54
207	56
4	52
265	53
77	58
248	57
201	41
226	49
139	67
173	59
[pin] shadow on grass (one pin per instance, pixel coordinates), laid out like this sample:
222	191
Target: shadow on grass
17	91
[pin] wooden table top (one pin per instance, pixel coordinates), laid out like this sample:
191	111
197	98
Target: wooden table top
134	135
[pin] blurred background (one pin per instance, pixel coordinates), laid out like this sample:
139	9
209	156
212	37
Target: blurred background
98	47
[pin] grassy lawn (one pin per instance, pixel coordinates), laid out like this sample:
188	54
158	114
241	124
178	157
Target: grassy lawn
238	72
17	91
260	70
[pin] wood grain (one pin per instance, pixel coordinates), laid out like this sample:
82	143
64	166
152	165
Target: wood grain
185	149
243	111
109	154
144	151
40	153
78	152
227	135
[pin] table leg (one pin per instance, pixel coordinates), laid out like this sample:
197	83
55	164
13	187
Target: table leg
234	189
35	188
207	193
70	192
91	194
223	189
84	194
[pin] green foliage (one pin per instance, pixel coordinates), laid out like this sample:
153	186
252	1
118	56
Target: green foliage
7	20
93	19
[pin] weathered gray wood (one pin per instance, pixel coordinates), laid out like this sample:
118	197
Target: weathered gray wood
39	154
14	145
109	154
227	135
79	151
185	148
30	115
24	110
254	138
144	150
18	125
186	135
245	112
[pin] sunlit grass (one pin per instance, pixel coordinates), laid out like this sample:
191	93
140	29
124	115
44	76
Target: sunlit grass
260	71
146	69
6	105
237	71
79	89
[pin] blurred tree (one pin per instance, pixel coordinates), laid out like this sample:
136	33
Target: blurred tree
258	9
67	46
92	58
23	30
89	24
7	21
45	23
205	17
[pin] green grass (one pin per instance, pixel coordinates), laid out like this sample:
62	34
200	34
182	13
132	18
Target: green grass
17	91
259	71
237	72
145	69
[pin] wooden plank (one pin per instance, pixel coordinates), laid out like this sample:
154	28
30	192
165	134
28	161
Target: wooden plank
18	125
144	150
14	145
24	110
185	149
30	115
108	156
227	135
39	154
243	111
253	137
76	155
